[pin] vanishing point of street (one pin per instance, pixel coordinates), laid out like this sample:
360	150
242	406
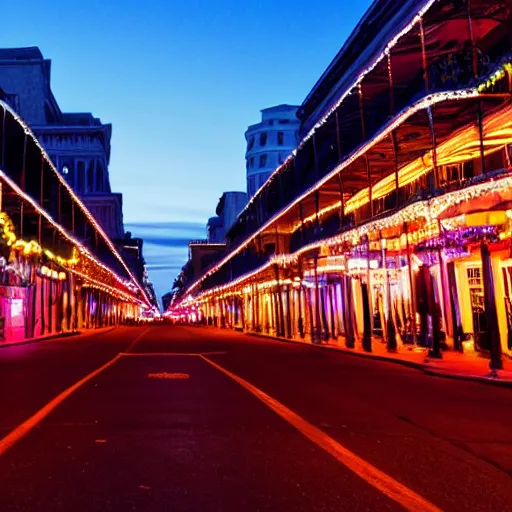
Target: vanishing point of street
185	418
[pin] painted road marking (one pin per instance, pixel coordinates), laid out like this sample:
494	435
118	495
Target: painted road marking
24	428
375	477
171	354
135	341
170	376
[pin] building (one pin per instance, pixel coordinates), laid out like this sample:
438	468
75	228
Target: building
392	221
204	253
229	206
167	300
215	233
59	271
269	143
78	143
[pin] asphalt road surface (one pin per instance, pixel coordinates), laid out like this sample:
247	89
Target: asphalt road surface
169	418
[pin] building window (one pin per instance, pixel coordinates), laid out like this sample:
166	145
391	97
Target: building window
263	138
263	161
100	183
281	158
68	173
251	162
284	121
80	186
251	143
280	138
90	177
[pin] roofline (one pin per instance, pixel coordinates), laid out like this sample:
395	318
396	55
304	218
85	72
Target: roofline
355	32
283	106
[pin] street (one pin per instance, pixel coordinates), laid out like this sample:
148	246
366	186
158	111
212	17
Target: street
202	419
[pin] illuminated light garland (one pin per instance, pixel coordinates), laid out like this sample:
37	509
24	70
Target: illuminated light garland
33	248
81	249
78	201
8	232
355	85
109	292
422	104
429	210
462	147
115	292
496	76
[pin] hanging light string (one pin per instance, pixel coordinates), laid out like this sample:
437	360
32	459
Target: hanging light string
428	210
77	200
79	247
32	248
463	146
347	92
421	104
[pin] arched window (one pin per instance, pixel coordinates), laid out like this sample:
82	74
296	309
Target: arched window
100	178
90	177
80	183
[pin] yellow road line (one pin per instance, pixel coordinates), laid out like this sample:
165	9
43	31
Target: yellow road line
133	343
24	428
375	477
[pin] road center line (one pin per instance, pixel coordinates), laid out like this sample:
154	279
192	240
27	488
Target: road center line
375	477
24	428
134	342
171	354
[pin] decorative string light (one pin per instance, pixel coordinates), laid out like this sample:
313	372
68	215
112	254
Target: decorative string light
82	250
422	104
33	248
348	91
428	211
500	138
75	198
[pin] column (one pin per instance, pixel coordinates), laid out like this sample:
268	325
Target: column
493	333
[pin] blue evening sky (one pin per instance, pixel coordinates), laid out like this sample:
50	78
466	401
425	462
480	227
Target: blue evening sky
180	81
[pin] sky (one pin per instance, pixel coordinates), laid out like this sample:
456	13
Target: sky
180	81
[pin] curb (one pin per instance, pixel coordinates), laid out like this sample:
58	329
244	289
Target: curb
423	367
54	337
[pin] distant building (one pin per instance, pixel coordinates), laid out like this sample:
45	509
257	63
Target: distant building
131	250
202	254
215	230
269	143
228	208
167	299
77	143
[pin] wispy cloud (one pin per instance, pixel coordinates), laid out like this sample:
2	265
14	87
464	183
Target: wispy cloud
166	211
165	247
164	268
167	226
167	234
166	241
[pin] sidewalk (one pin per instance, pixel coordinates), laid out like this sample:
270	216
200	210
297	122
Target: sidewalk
56	336
467	366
